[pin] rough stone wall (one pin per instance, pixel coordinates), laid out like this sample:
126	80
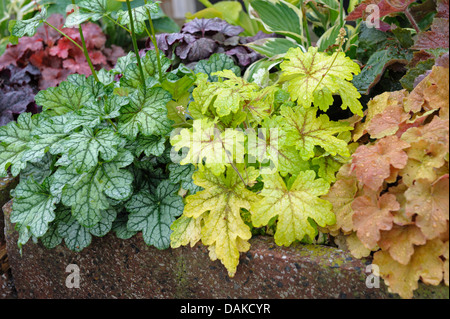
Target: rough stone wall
115	268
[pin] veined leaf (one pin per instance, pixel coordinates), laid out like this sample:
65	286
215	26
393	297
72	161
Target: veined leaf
132	76
154	212
139	16
305	131
85	147
294	205
271	47
64	98
313	77
21	28
223	196
88	10
206	142
146	113
14	138
216	62
34	206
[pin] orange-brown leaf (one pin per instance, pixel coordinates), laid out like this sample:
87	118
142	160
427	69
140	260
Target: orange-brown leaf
372	163
373	214
430	203
400	242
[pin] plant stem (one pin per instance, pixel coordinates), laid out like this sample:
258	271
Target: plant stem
117	23
64	35
412	20
155	44
341	14
85	51
133	37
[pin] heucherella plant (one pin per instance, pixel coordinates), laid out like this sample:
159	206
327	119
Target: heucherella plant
264	156
96	159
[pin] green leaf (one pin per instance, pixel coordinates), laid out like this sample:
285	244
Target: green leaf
305	131
87	193
278	16
271	47
216	62
123	62
293	206
146	113
21	28
182	174
132	77
34	206
76	237
94	112
64	98
140	16
14	138
88	10
154	212
313	77
378	63
84	147
150	145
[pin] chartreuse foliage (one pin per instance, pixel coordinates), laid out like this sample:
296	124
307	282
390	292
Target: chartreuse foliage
392	198
264	152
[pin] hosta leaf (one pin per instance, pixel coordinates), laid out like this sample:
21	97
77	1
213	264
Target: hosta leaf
314	76
146	113
305	130
294	206
84	147
216	62
64	98
278	16
223	196
34	206
154	212
271	47
371	215
206	142
140	15
425	264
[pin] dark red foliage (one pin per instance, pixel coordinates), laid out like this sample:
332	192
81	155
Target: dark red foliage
56	57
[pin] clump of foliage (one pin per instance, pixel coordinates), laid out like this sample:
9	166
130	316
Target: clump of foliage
200	38
17	90
56	56
392	198
278	170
